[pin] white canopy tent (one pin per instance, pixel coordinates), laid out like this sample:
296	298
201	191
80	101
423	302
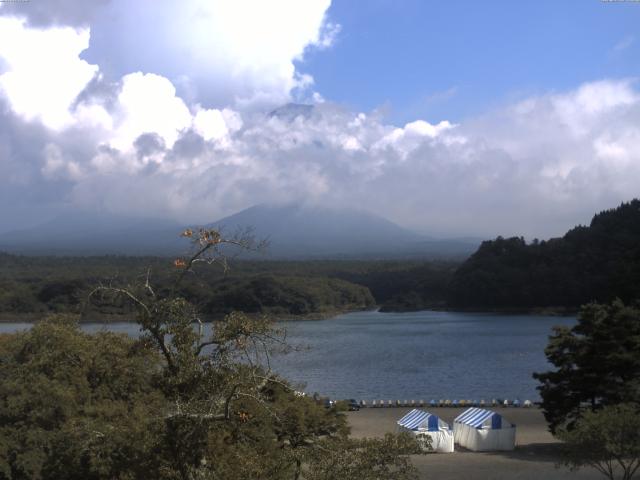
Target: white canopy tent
424	424
483	430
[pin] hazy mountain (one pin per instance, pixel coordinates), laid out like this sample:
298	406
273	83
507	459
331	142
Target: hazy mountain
296	231
293	231
93	234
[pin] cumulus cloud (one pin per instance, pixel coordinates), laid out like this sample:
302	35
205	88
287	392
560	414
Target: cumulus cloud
218	53
42	72
216	125
148	103
142	142
534	168
84	115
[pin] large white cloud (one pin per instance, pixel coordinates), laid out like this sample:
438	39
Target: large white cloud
42	72
217	52
137	143
520	170
528	168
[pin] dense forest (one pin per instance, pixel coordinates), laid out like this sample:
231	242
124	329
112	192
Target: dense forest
598	262
32	286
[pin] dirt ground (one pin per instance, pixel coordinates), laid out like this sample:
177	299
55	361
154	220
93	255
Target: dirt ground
534	458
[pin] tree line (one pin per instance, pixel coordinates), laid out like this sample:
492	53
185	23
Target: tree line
40	285
599	262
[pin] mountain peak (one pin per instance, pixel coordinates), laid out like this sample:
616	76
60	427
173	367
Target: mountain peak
291	111
309	230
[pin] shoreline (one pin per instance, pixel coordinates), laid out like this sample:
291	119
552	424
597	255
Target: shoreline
546	311
34	317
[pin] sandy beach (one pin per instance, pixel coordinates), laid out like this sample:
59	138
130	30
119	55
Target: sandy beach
534	458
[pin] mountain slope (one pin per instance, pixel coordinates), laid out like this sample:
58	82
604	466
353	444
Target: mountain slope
91	234
295	231
594	263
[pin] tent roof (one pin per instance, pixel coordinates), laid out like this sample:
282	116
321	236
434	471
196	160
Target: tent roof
415	418
475	417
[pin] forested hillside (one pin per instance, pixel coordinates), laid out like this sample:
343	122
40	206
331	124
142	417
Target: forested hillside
590	263
280	295
34	286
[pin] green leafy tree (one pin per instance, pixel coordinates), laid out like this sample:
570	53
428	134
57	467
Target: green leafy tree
364	459
182	402
300	422
597	363
76	406
607	440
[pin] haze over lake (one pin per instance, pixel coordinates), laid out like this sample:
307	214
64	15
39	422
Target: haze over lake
417	355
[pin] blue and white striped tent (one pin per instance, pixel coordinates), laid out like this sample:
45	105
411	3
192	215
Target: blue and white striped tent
425	424
483	430
479	417
421	420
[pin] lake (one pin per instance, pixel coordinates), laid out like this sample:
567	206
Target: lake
417	355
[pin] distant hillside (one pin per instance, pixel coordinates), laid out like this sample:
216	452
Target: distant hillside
598	262
286	295
294	232
31	286
96	234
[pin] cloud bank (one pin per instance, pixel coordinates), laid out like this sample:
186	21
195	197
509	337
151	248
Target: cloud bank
190	136
216	52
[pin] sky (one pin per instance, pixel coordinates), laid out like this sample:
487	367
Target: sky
450	118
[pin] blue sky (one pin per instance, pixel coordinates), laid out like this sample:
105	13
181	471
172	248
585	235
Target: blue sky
453	59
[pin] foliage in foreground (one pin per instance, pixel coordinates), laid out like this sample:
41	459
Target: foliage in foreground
177	404
607	440
74	405
597	363
368	459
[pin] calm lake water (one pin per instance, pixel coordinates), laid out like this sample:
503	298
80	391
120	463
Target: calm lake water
418	355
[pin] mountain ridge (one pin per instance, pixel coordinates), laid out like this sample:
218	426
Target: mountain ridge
295	231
